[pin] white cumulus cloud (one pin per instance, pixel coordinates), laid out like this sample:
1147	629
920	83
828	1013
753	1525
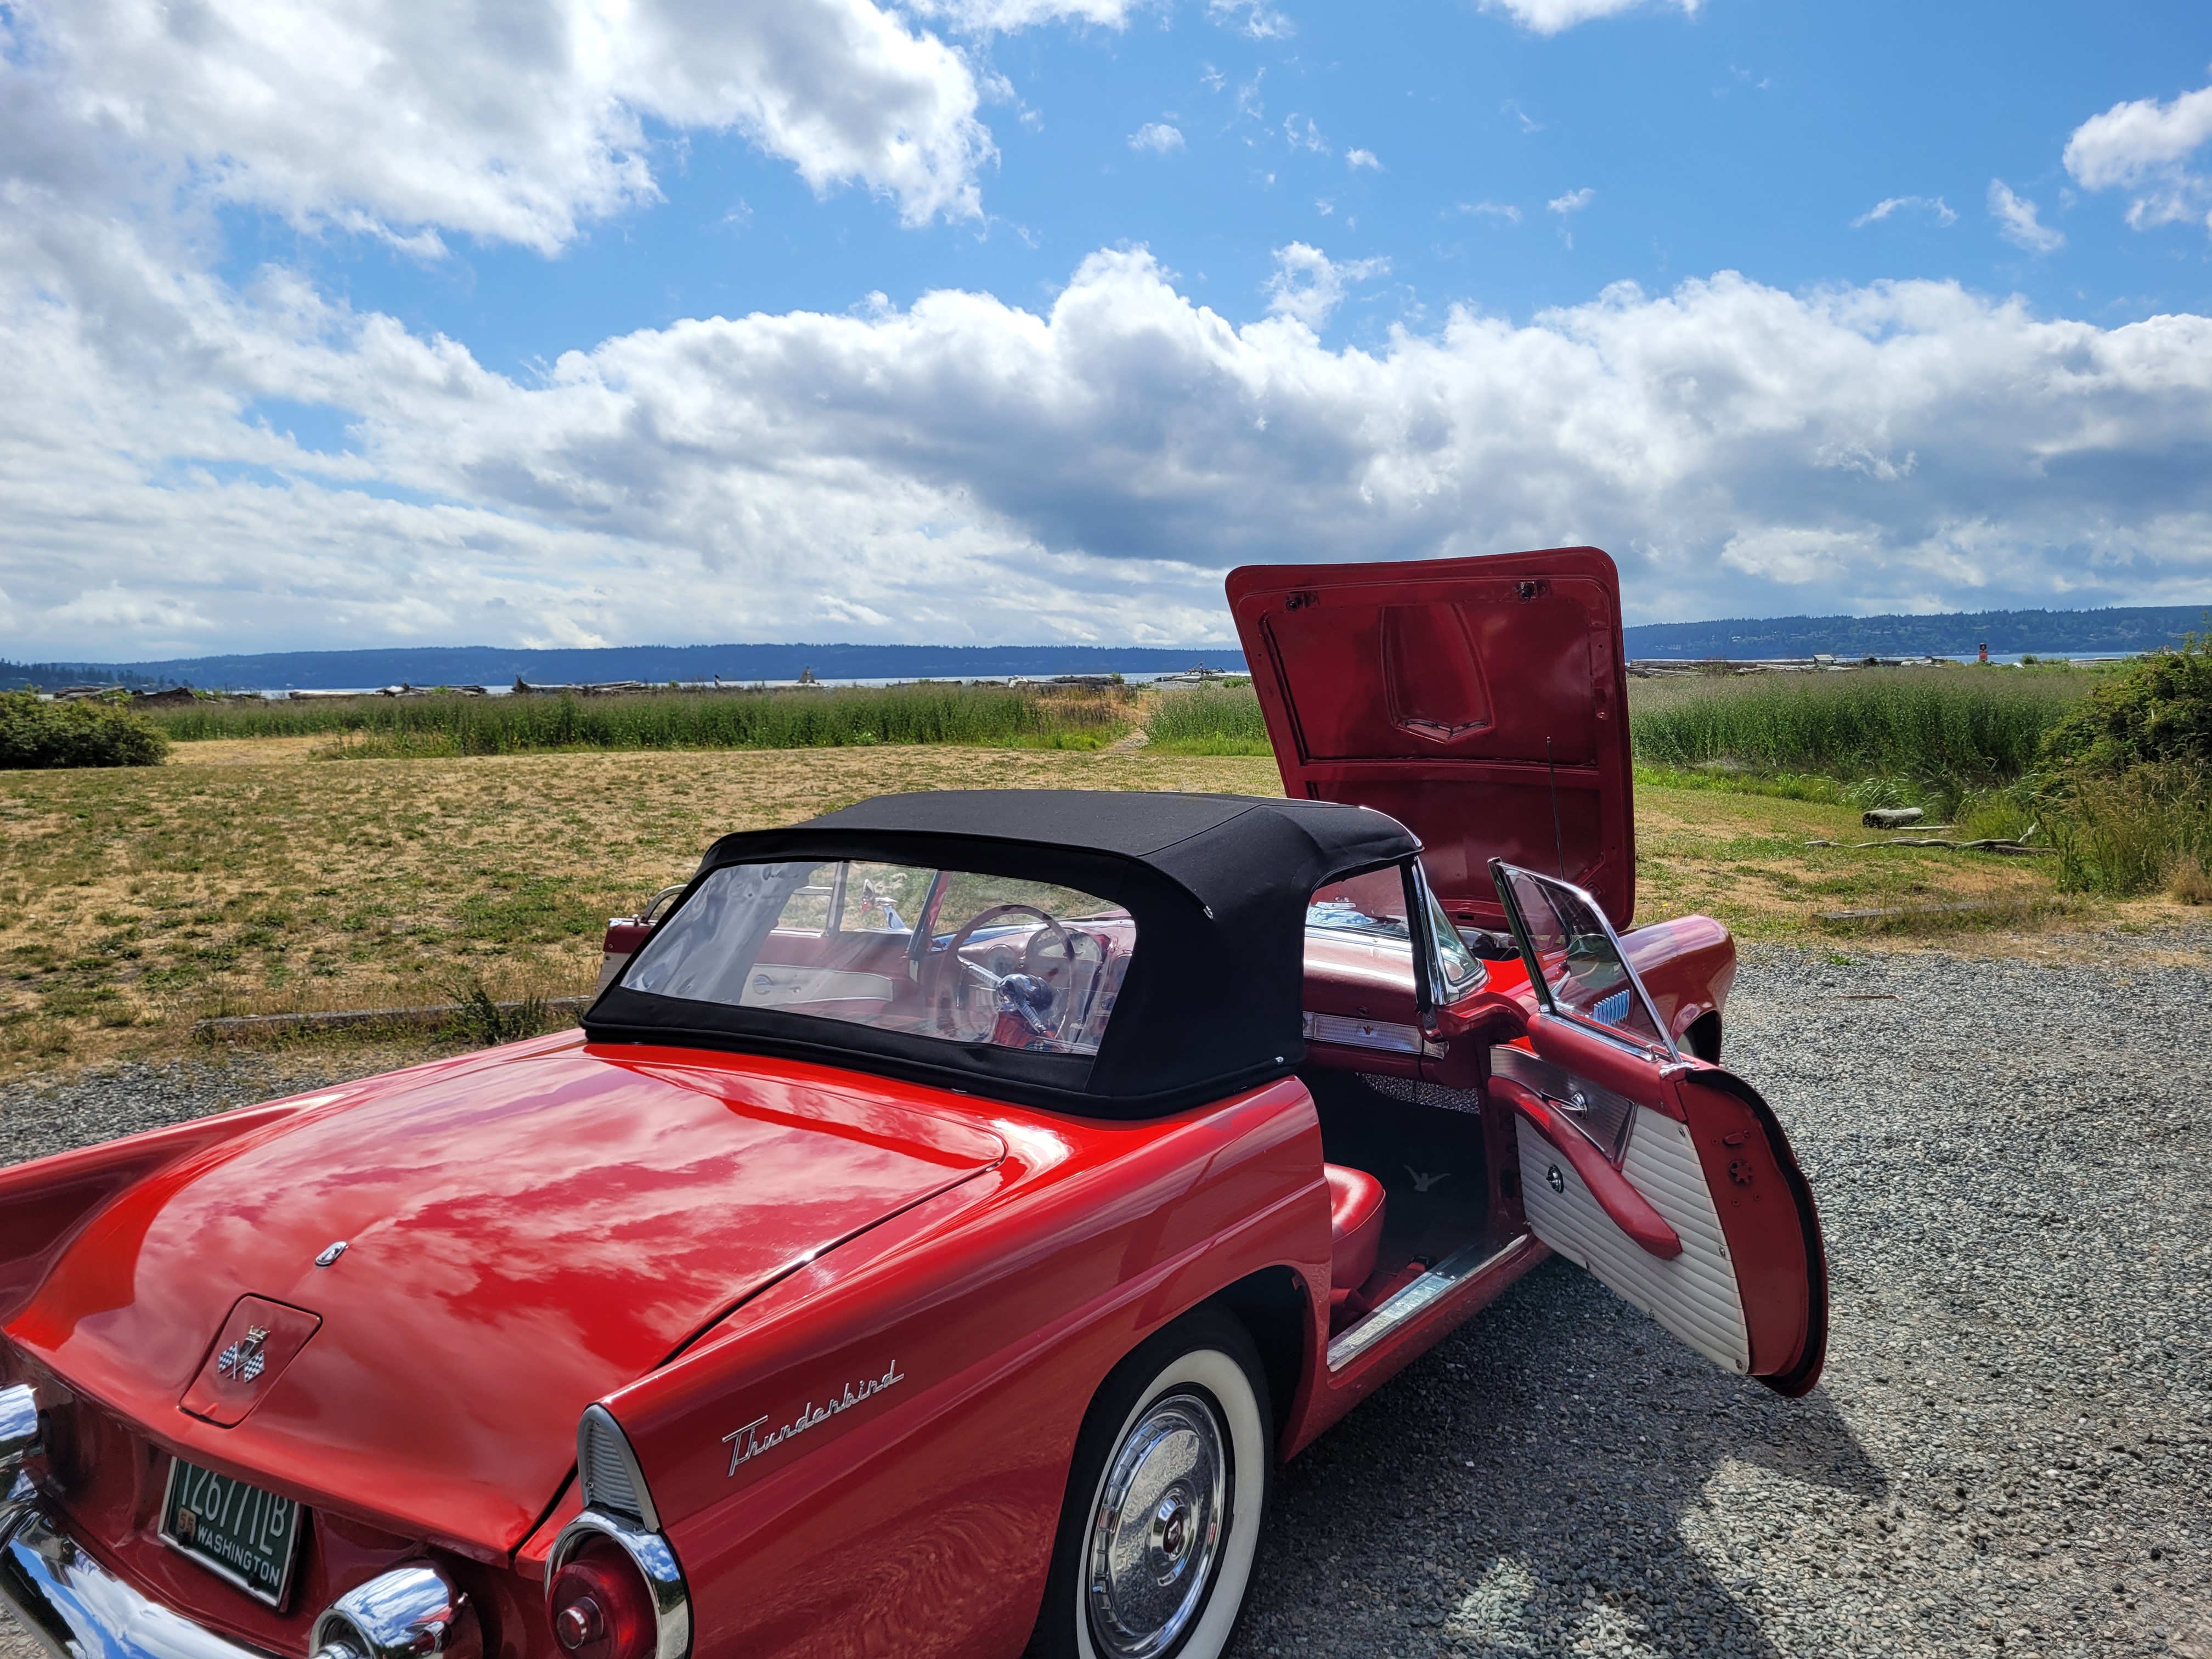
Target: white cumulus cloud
1156	137
1554	16
1003	16
1356	159
1308	286
965	469
2145	147
2017	221
403	118
1573	201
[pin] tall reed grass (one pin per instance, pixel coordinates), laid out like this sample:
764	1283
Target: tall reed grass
2133	831
380	727
1208	719
1980	724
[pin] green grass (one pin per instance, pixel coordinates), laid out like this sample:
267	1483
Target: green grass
1019	717
1783	785
1982	725
1802	737
1208	719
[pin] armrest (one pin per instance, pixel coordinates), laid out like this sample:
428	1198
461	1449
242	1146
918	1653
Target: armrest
1629	1209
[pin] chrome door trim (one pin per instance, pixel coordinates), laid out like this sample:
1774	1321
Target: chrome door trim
1448	1275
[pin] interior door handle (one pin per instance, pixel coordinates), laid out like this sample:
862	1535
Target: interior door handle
1629	1209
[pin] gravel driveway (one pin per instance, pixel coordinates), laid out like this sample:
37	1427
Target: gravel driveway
2008	1454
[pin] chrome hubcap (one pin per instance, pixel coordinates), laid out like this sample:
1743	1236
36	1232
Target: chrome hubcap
1156	1532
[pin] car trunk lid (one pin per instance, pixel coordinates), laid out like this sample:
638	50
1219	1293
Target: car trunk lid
521	1238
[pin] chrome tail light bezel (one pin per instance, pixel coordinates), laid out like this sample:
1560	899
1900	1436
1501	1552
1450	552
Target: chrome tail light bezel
655	1562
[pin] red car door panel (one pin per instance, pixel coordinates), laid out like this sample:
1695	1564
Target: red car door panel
1746	1285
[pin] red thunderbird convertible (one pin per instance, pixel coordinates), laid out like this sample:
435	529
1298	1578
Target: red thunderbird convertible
951	1211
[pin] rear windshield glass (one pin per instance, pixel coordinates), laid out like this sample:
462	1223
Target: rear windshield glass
954	954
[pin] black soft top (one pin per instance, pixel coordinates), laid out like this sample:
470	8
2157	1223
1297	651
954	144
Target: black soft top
1218	886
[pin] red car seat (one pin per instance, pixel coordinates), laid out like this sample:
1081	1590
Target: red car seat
1355	1228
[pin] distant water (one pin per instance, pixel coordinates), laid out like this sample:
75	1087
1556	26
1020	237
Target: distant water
282	693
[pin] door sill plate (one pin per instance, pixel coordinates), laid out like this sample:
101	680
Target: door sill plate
1448	1275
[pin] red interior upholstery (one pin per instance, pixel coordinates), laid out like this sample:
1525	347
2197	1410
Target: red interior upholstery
1355	1228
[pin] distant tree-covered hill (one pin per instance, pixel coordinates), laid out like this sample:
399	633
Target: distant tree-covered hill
2080	633
496	666
2087	633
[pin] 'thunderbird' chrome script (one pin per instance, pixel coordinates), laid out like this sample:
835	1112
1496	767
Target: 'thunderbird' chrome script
748	1443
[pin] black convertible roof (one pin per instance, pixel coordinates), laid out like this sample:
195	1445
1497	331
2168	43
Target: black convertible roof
1218	886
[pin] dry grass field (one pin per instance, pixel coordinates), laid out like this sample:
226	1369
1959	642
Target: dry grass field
250	876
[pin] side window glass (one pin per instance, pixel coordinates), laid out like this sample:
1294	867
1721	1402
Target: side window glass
813	907
883	899
1372	906
1573	951
1456	966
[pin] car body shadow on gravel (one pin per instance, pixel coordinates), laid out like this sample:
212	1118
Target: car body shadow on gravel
1533	1483
2011	1451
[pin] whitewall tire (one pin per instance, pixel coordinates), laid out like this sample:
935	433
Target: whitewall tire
1165	1498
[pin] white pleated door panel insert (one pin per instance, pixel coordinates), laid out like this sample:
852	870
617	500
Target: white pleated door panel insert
1694	1295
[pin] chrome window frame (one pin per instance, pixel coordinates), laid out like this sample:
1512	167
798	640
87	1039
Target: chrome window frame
1499	871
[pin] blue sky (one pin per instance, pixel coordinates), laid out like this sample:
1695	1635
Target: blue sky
1035	315
1744	136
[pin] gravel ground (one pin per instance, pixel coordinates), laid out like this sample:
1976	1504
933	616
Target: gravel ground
2008	1454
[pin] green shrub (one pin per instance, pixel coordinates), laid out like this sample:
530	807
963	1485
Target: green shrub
481	1020
2157	712
35	734
2129	782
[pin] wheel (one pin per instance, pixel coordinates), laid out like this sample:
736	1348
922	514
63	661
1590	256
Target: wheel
1165	1497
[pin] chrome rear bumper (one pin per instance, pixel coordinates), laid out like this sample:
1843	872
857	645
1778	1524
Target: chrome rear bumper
76	1607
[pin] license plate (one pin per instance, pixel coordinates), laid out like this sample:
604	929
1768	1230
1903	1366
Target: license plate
235	1531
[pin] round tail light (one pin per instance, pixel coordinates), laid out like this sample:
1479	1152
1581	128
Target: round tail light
601	1606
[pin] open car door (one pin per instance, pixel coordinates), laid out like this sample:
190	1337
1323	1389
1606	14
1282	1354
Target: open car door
1669	1178
1478	702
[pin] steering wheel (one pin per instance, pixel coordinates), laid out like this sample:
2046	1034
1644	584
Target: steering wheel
946	999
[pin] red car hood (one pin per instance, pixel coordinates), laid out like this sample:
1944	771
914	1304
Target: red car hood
522	1236
1481	703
